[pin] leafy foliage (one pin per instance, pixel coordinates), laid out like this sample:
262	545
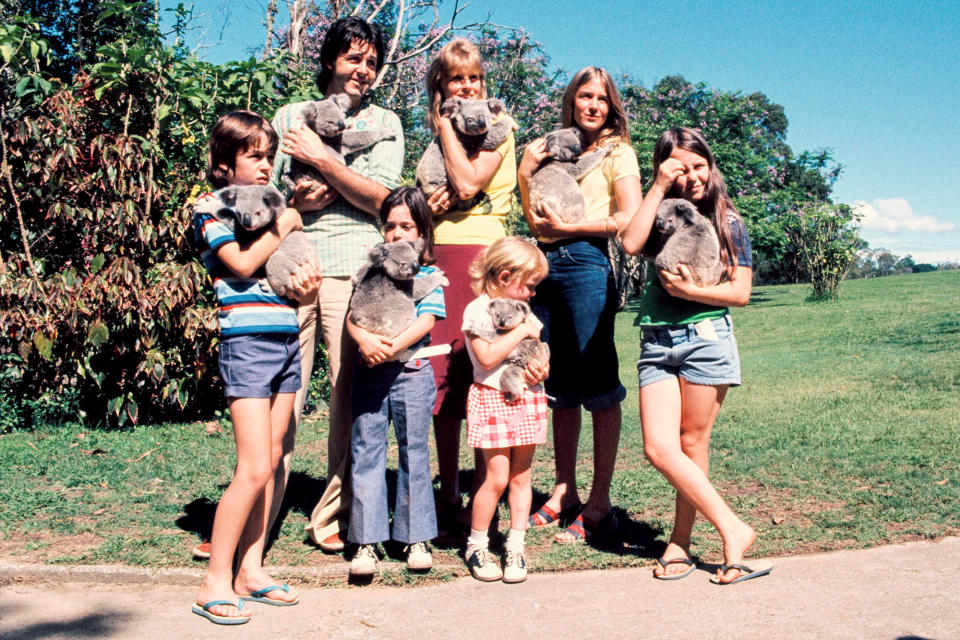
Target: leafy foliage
827	242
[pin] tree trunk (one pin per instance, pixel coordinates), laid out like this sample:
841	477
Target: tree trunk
271	16
298	16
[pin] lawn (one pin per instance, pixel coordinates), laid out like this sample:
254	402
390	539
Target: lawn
845	434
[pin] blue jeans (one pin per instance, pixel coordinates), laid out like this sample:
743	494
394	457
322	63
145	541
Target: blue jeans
403	392
577	303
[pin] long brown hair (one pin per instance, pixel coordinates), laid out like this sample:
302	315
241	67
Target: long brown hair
457	55
716	204
616	124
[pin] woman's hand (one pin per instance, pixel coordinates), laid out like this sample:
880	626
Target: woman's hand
441	200
312	195
670	170
678	286
305	145
545	223
305	281
533	157
535	373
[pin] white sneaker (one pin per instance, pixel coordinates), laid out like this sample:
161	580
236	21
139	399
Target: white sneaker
482	565
515	567
364	562
419	557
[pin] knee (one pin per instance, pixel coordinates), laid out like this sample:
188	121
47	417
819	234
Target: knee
658	455
520	482
255	475
693	439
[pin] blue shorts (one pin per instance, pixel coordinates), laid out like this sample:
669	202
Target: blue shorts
674	351
577	303
260	365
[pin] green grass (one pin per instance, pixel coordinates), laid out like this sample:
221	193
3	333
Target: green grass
844	434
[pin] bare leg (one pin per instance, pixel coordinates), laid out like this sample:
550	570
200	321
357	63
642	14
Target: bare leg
663	407
251	429
566	438
250	575
521	489
497	463
606	439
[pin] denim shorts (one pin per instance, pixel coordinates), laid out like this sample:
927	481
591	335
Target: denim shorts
577	303
260	365
673	351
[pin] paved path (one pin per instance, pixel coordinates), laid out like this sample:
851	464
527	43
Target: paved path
909	591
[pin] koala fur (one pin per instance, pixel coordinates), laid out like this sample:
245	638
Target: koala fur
255	207
555	180
326	118
681	235
473	120
507	313
385	292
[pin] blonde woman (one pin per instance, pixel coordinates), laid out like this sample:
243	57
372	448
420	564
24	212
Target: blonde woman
470	214
577	303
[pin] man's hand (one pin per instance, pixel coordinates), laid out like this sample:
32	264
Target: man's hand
312	195
305	145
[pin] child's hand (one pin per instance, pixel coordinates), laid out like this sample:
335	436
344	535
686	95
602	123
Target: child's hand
311	195
375	349
678	286
288	221
532	326
670	170
305	282
535	373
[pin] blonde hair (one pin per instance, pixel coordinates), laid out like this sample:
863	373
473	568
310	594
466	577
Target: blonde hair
616	125
512	254
457	55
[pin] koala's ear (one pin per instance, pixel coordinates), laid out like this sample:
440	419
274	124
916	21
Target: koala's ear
228	196
272	198
686	211
450	107
495	106
378	254
342	100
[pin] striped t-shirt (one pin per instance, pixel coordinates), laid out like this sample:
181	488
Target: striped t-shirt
432	303
246	306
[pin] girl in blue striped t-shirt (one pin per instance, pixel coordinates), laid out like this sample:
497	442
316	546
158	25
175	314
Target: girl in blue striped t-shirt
396	384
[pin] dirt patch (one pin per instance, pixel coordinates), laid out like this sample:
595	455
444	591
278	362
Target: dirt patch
47	546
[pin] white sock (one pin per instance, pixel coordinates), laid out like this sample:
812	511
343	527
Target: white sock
515	539
477	540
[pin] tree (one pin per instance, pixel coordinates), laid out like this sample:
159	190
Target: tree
827	242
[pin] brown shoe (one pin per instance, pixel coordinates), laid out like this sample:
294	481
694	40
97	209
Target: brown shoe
202	551
332	543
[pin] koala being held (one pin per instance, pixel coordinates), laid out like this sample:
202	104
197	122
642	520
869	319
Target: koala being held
254	207
473	121
681	235
507	314
385	289
327	118
555	180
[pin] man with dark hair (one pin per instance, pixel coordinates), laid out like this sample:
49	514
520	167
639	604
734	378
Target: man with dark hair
342	229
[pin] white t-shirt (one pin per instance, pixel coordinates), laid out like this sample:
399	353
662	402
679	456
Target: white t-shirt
477	321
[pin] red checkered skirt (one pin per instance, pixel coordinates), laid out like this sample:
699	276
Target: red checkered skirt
494	423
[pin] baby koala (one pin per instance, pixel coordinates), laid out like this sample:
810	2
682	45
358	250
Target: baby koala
254	207
385	291
473	120
508	313
327	118
681	235
555	180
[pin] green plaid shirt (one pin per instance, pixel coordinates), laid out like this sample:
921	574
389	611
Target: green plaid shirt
341	234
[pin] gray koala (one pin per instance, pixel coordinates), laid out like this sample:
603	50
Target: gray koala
507	313
254	207
326	118
681	235
385	289
555	180
473	120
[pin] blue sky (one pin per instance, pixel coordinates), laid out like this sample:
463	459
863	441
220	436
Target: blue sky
876	82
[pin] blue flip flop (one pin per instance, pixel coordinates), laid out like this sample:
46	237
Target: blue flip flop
260	595
214	618
758	569
691	567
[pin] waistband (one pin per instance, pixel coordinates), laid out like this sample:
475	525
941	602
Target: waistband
676	330
600	244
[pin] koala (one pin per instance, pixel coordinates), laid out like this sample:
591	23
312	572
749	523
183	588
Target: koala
681	235
555	180
385	290
254	207
326	118
473	120
507	313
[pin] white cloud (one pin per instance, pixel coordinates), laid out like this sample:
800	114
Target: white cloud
896	214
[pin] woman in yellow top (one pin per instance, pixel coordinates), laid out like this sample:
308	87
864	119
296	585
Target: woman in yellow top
577	303
470	214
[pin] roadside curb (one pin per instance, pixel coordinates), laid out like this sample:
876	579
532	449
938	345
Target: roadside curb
119	574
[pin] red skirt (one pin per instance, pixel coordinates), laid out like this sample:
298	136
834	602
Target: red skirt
494	423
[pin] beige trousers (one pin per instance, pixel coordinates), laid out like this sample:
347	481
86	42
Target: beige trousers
329	311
